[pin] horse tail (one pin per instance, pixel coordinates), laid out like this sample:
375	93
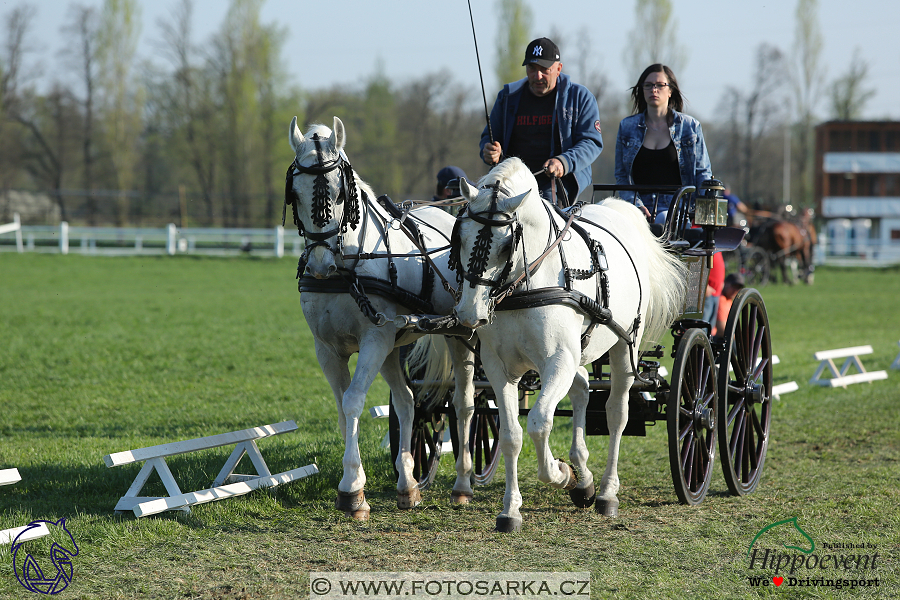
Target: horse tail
667	274
430	359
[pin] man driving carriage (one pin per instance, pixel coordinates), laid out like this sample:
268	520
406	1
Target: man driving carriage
550	122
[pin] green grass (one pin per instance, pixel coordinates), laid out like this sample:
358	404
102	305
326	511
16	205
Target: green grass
102	355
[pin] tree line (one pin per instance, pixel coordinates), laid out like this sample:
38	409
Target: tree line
201	140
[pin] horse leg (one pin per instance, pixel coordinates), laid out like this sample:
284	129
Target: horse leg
621	379
509	519
583	495
408	494
372	352
555	382
464	405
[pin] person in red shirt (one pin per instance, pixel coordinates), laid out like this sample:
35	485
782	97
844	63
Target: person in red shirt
714	288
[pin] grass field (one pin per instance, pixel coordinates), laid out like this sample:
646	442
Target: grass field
104	355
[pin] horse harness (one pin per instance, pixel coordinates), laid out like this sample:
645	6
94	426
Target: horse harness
504	295
322	212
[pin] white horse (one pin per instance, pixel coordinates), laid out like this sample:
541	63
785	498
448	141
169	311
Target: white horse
361	268
607	273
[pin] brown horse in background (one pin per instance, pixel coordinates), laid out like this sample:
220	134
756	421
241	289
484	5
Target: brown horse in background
789	243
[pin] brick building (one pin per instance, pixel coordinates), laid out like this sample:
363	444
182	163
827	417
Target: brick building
857	187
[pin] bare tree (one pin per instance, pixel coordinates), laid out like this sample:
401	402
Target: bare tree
83	28
654	38
808	76
513	34
751	117
121	94
191	109
848	96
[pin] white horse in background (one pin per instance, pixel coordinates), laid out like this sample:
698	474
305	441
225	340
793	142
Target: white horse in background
359	270
559	326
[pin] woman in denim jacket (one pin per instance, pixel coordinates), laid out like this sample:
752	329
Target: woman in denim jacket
659	145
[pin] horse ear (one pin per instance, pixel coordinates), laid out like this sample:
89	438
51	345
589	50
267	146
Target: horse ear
295	135
468	192
512	204
338	136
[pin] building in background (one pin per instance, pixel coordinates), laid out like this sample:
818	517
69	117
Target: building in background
858	187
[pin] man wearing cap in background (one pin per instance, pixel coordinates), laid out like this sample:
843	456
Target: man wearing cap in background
448	185
549	121
733	284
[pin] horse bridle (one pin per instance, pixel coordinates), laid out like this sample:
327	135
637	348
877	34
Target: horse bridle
322	203
481	249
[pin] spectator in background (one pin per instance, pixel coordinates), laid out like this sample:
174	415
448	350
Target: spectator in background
448	185
731	286
735	206
714	288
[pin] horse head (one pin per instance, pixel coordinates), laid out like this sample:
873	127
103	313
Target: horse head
321	187
485	238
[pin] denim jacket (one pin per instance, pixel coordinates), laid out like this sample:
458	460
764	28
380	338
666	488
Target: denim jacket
685	131
578	124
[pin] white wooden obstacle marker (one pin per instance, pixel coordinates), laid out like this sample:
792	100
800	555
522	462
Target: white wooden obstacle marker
26	532
227	484
841	377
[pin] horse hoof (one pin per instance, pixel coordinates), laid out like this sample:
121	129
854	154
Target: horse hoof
460	498
607	508
583	497
409	499
508	524
353	505
571	476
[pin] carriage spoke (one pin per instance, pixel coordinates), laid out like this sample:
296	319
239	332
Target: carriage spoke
737	409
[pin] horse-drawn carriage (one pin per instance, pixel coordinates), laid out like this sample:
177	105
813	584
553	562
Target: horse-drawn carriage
376	276
720	388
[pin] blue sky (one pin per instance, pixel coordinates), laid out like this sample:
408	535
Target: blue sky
341	42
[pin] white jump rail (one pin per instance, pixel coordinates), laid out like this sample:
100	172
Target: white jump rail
8	477
896	363
15	226
841	378
227	484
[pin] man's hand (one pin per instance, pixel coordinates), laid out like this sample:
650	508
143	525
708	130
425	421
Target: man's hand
554	168
491	153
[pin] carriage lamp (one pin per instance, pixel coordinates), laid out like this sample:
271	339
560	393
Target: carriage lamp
711	208
710	212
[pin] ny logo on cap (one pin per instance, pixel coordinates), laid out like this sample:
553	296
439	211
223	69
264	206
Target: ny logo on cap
538	50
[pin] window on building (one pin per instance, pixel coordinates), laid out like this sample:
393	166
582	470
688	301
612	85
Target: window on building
874	140
895	235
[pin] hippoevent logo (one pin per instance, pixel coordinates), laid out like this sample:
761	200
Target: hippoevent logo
63	549
799	562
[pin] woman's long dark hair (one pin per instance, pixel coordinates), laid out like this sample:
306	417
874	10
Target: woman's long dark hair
676	101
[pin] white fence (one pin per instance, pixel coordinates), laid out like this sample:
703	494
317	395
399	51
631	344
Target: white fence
129	241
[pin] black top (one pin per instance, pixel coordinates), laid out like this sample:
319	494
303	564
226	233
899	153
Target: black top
656	167
532	134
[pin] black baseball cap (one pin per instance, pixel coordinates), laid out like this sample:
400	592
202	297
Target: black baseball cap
541	51
448	174
735	279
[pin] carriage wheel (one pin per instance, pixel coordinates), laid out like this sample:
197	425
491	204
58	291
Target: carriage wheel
756	267
691	414
745	392
427	436
484	442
